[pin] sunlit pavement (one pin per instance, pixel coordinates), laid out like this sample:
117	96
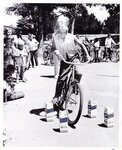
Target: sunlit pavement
24	118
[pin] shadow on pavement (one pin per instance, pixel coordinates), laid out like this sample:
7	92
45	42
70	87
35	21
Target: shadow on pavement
102	125
37	111
46	64
57	130
43	119
47	76
86	116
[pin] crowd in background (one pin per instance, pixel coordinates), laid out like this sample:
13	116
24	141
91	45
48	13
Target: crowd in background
19	55
95	46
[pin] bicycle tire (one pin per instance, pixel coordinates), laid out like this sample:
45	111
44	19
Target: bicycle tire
45	56
72	103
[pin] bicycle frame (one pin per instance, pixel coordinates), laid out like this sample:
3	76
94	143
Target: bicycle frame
69	79
71	98
70	76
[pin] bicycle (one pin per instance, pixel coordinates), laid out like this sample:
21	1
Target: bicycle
115	54
92	54
71	98
101	53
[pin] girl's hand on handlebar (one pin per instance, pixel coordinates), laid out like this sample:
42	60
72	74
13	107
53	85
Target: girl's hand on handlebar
60	57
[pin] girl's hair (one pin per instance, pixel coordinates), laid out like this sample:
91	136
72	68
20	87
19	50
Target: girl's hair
61	23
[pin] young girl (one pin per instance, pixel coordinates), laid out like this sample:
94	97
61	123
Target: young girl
64	45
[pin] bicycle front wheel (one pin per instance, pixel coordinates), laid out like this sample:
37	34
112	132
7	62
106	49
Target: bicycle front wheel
74	103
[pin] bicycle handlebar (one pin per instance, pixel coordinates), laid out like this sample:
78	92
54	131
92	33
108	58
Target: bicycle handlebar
73	63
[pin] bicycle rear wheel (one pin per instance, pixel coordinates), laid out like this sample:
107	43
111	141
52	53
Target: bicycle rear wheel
114	57
101	55
74	103
45	56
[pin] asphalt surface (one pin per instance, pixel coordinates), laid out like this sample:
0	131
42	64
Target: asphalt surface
24	119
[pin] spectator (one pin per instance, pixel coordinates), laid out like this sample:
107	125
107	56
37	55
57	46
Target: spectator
86	41
26	54
33	44
9	85
96	49
8	40
19	53
109	42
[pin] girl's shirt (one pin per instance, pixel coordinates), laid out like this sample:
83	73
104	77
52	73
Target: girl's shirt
65	46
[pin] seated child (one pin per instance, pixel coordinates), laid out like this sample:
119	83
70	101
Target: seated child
9	84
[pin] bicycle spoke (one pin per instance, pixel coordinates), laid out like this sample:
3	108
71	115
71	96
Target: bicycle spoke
71	100
73	104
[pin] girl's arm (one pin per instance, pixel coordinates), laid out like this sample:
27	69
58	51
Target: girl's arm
55	51
81	45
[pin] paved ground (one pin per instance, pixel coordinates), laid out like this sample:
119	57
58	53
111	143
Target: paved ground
24	118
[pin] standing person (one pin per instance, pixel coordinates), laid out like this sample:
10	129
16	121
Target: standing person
19	53
96	49
63	45
108	45
28	47
86	42
27	54
33	43
8	41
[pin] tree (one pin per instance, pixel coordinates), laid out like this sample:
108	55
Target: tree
113	22
80	20
39	18
34	17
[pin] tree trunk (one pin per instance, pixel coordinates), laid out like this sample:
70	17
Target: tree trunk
73	26
41	25
40	31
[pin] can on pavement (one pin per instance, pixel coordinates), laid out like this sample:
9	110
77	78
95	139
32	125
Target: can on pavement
108	117
63	121
92	108
49	112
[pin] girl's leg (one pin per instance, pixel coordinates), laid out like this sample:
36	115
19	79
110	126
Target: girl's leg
61	79
56	66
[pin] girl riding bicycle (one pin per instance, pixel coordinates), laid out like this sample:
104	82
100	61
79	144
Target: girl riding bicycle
64	46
